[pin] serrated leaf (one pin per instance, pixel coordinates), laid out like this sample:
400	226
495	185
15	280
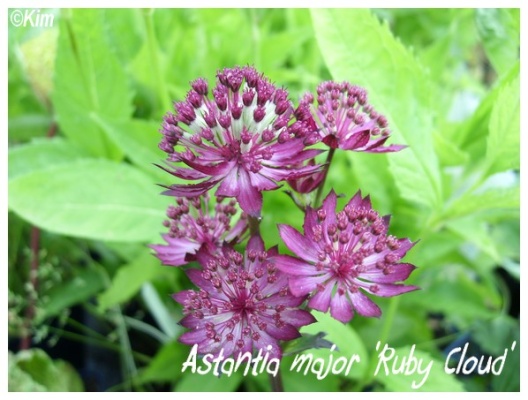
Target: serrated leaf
40	154
503	147
88	79
129	279
437	380
95	199
499	30
448	153
357	48
489	200
475	231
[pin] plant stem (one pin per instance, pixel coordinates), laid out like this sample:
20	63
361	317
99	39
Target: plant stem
254	225
330	156
276	382
25	342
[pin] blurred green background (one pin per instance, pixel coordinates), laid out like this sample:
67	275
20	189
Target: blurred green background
86	97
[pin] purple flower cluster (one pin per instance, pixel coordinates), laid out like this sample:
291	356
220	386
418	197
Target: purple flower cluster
244	137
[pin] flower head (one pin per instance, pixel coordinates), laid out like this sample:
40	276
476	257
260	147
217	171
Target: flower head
243	303
308	183
241	139
192	226
344	255
345	120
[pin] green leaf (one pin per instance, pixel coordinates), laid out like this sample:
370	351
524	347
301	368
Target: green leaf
138	139
159	311
346	339
128	280
437	381
95	199
448	153
207	383
489	200
499	29
85	284
475	231
45	373
40	154
453	291
88	79
503	147
167	364
307	342
357	48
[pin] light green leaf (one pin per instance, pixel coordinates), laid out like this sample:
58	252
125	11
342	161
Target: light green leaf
139	141
128	280
166	321
437	380
503	148
94	199
499	30
40	154
489	200
357	48
346	339
35	370
467	298
475	231
448	153
88	79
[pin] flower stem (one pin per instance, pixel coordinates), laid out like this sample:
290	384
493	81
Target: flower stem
254	225
318	196
276	382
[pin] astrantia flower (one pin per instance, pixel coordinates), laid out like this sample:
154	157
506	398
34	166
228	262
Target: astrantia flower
242	138
344	255
345	120
308	183
192	226
243	303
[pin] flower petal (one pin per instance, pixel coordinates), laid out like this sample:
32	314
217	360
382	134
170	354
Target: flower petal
400	273
357	140
363	305
321	299
190	190
297	243
294	266
229	187
340	308
389	290
298	317
249	198
301	285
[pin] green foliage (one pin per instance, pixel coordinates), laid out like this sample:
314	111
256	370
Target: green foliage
35	371
97	199
99	81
